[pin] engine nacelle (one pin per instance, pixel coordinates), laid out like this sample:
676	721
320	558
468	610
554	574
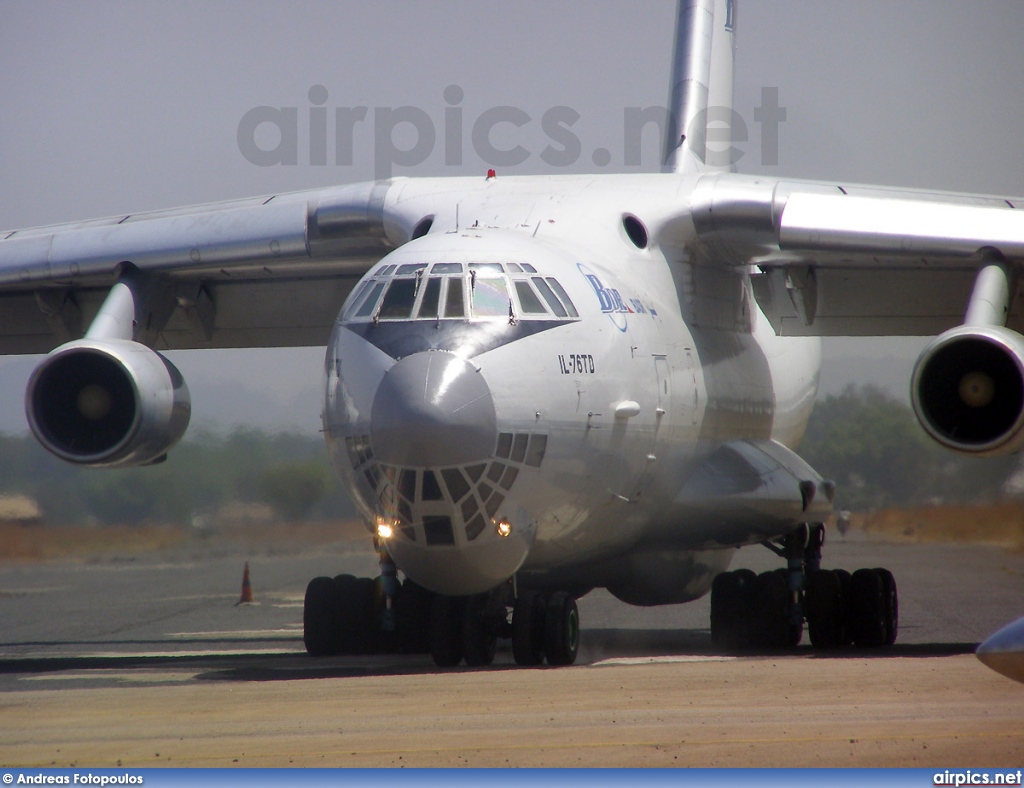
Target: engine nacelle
107	403
968	390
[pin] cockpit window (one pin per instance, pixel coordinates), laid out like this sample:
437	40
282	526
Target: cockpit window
459	291
557	287
455	305
356	297
398	300
490	297
366	308
528	300
550	297
446	268
495	267
431	298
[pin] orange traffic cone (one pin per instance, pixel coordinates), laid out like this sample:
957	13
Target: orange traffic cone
246	588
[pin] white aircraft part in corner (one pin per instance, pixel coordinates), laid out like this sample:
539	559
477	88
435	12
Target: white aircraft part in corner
537	386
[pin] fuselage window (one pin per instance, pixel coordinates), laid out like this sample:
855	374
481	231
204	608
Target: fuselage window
455	305
431	298
528	301
366	309
490	298
550	297
557	287
398	300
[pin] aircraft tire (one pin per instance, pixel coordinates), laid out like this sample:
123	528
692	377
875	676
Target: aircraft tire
344	589
722	606
892	606
528	630
771	611
845	581
561	629
321	616
361	613
823	608
478	639
412	614
867	609
446	631
732	608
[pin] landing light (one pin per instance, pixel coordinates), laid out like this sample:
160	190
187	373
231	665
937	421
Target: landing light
385	530
504	528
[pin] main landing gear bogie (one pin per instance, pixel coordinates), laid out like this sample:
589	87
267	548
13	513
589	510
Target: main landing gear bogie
861	609
767	611
340	616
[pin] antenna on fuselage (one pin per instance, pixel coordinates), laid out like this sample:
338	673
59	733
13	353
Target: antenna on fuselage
701	88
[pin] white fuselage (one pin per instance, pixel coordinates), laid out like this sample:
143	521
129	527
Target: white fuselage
527	367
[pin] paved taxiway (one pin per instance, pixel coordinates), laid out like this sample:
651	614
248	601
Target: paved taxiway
149	662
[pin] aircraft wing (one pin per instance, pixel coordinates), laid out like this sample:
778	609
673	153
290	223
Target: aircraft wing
843	260
826	259
265	272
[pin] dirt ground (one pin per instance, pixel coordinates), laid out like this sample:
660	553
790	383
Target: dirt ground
109	658
935	712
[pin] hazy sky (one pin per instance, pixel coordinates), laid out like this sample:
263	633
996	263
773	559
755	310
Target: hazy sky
111	107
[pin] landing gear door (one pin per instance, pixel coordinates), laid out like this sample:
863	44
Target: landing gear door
664	409
662	416
690	382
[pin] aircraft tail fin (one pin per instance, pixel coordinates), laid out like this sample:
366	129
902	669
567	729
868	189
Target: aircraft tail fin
701	93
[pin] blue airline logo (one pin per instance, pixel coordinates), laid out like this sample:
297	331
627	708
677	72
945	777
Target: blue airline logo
611	300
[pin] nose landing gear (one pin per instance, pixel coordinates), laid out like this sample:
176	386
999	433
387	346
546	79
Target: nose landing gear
349	615
466	628
542	626
769	610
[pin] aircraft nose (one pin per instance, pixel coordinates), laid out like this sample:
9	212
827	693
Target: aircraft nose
431	410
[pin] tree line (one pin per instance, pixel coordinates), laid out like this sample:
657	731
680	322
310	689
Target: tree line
288	472
865	440
872	446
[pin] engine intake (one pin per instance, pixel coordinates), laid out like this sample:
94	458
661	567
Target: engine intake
107	403
968	390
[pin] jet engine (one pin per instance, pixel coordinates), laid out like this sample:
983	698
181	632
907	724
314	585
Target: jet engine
107	403
968	390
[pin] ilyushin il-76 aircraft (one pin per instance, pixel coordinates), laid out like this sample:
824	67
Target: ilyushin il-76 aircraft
536	386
